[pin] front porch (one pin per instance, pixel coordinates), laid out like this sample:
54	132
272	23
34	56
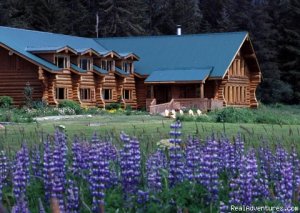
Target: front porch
163	97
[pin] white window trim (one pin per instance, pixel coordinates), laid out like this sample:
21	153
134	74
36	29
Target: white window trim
90	67
67	63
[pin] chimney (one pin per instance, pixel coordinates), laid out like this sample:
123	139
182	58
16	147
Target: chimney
179	30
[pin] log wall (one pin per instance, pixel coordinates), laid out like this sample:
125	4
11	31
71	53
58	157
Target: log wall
15	72
141	92
239	84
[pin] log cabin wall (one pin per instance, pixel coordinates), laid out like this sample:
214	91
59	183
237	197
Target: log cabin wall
141	92
15	72
234	89
63	80
98	90
109	82
129	84
47	56
87	81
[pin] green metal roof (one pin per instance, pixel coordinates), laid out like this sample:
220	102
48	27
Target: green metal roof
177	75
21	40
120	71
78	69
100	70
156	53
174	52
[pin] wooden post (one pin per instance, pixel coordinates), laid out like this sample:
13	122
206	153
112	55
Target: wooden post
238	61
152	92
238	97
201	90
243	94
242	67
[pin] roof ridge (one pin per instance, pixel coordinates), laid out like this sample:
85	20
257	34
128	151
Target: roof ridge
185	68
44	32
175	36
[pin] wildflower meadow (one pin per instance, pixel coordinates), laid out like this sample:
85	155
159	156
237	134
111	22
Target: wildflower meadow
184	175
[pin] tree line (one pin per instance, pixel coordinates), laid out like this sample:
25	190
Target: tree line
273	26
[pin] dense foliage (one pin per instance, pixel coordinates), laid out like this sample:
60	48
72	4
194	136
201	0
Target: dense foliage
180	176
271	114
273	27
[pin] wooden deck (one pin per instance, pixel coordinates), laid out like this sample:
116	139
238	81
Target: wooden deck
204	104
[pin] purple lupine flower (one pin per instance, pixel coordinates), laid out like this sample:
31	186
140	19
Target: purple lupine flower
99	174
155	163
235	194
193	153
36	164
281	156
80	163
209	168
58	169
3	171
130	163
249	175
21	206
175	133
142	197
266	161
263	185
284	186
77	158
24	157
47	169
176	164
21	173
223	208
72	197
296	171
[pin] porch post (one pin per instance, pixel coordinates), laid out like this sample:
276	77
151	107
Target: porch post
201	90
152	91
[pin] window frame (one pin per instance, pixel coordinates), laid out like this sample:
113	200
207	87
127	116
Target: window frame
66	61
89	64
109	94
129	94
127	67
85	94
107	64
57	93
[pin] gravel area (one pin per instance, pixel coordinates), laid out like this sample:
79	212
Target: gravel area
61	117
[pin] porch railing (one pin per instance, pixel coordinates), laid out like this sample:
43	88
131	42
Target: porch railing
204	104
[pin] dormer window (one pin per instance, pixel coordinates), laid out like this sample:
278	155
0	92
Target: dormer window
61	61
127	67
107	64
85	63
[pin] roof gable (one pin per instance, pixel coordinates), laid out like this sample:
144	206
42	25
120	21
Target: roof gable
174	52
20	40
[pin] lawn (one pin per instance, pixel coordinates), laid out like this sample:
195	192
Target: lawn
177	170
148	129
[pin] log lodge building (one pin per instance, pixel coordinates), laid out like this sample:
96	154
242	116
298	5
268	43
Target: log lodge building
205	71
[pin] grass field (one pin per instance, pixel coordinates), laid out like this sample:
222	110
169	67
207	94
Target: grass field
148	129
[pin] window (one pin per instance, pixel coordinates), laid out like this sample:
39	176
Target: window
61	61
127	67
107	94
61	93
127	94
107	64
85	63
85	94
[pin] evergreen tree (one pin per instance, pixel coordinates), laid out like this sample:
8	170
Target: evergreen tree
122	17
290	48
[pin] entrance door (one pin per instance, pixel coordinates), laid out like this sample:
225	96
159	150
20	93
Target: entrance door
163	94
